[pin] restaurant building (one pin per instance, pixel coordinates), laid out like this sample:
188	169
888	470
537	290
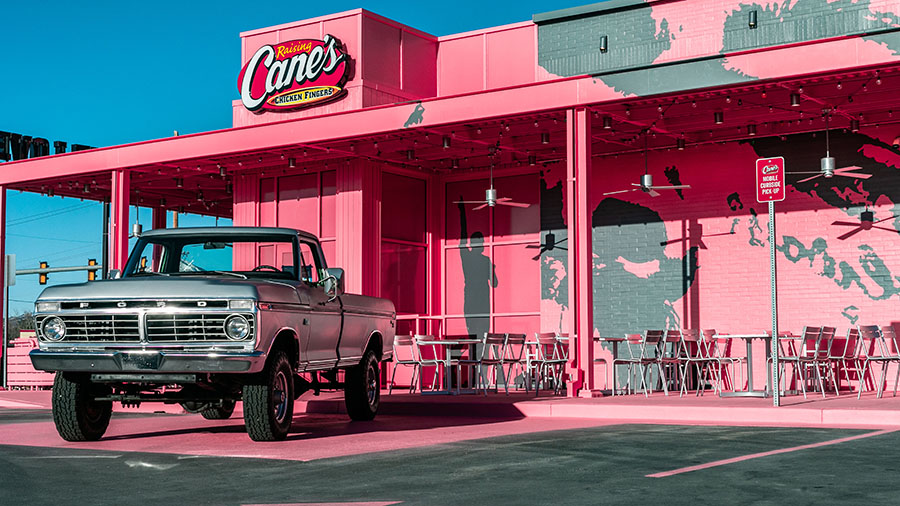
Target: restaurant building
386	142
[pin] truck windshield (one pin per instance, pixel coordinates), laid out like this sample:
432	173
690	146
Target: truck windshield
256	257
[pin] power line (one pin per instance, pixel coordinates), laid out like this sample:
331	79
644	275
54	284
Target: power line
51	238
63	255
48	214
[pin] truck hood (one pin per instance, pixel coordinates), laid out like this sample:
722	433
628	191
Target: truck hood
174	288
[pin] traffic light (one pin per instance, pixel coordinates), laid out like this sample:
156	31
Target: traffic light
43	275
92	274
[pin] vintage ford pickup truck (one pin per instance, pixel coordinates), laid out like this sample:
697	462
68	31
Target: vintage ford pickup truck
205	317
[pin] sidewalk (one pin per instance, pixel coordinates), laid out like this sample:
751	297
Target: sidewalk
844	411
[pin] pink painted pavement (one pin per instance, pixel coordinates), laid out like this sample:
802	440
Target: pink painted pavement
321	430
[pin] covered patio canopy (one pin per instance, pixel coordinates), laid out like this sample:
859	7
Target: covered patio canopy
577	120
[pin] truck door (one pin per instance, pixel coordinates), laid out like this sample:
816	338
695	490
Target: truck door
325	316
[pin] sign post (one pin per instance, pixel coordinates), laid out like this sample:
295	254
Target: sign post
770	189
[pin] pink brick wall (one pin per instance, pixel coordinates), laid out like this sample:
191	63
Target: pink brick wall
643	246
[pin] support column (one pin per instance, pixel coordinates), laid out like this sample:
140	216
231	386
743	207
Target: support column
4	307
118	223
160	218
359	226
581	296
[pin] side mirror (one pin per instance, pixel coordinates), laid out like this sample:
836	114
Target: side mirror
115	274
333	283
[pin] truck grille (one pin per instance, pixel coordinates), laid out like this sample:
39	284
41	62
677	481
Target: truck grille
189	327
120	328
160	327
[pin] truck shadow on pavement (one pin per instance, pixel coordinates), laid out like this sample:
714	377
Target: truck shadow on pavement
307	426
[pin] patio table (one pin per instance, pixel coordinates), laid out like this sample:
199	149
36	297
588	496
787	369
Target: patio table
748	339
446	346
615	354
751	391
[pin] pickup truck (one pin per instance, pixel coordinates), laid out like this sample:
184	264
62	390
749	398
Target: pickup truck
205	317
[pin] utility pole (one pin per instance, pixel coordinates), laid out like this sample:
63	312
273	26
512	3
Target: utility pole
104	259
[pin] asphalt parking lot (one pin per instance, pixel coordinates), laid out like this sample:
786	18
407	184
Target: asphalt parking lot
184	459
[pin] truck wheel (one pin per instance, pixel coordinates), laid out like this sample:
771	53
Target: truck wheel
222	412
78	417
362	389
269	401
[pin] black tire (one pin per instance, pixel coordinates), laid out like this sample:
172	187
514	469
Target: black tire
362	389
222	412
269	401
78	417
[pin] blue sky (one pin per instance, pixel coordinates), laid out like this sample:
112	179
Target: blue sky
108	73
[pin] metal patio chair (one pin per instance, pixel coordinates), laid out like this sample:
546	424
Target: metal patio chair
550	362
514	361
872	351
405	354
428	356
797	353
718	350
671	359
642	360
492	352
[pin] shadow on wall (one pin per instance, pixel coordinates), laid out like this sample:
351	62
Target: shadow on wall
479	276
636	285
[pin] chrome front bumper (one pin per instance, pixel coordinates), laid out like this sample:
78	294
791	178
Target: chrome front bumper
148	361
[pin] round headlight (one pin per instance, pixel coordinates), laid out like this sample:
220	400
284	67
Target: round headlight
237	327
54	328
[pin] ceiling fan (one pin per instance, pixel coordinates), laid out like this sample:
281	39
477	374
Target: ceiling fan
549	244
828	169
490	195
646	185
866	222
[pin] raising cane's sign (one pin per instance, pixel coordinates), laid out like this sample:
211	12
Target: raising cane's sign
294	74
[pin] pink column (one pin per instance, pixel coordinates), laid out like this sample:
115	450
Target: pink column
581	304
3	345
584	253
160	218
118	219
359	226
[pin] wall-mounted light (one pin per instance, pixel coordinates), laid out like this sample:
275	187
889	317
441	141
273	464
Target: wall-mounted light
604	43
795	100
718	117
607	123
752	23
751	129
445	142
679	143
545	138
854	125
292	162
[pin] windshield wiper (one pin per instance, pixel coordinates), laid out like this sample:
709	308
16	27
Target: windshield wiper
229	273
